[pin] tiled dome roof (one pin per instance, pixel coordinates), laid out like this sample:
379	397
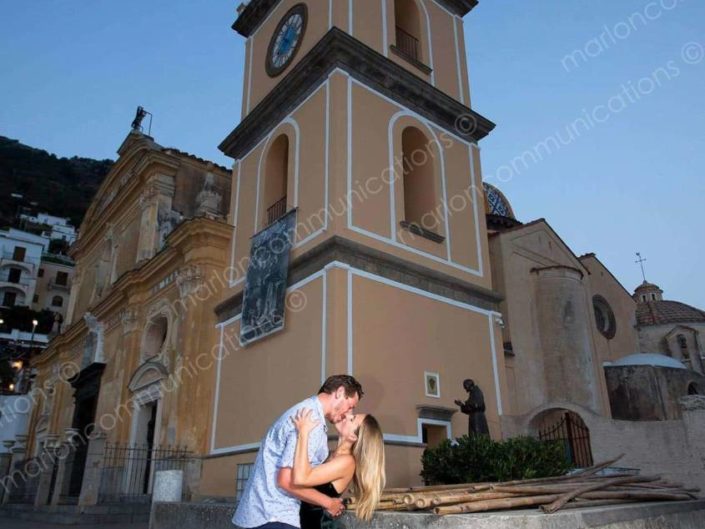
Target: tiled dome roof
660	312
496	202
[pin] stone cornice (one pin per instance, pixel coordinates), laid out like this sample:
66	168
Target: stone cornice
337	49
257	10
362	257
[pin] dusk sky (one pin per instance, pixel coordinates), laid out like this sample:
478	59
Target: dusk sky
622	116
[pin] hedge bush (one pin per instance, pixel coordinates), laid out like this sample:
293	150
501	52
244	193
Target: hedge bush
473	459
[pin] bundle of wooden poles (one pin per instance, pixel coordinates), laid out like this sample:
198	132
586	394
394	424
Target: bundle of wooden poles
582	489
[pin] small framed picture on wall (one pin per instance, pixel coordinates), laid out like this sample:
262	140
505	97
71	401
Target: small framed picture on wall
433	385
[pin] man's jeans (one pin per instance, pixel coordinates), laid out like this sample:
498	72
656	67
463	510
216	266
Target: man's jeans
275	525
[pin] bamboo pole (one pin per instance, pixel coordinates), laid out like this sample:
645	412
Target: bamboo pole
586	504
640	496
470	498
431	488
530	490
500	504
602	484
601	466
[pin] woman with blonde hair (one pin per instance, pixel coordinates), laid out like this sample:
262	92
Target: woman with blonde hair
358	460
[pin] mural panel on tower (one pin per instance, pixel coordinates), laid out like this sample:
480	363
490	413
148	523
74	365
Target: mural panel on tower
265	284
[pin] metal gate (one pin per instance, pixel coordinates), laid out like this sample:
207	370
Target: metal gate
128	471
575	435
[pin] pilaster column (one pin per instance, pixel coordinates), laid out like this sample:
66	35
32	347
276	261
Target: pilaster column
47	460
18	453
94	470
148	223
5	462
73	295
62	455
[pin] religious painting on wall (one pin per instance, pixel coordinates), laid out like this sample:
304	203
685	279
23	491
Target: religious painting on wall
265	283
433	385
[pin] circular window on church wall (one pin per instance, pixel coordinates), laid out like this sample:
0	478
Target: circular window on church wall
604	317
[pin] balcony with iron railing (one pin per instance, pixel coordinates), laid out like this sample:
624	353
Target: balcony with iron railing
10	259
22	284
408	47
276	210
407	44
55	285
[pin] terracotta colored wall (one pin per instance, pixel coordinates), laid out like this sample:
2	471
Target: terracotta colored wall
514	254
442	46
337	119
392	336
625	341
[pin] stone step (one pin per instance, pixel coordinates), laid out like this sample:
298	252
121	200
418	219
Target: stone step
75	515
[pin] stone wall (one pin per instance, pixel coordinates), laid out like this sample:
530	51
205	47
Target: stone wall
649	393
681	515
674	449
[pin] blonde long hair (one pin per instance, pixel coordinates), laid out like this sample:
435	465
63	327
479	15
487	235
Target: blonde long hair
370	476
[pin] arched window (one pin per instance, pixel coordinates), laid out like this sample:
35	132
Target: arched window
683	345
408	28
57	301
604	317
276	178
419	180
155	337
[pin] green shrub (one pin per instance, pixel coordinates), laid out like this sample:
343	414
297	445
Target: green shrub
474	459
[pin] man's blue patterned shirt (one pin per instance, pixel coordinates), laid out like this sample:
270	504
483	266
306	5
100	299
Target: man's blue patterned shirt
262	500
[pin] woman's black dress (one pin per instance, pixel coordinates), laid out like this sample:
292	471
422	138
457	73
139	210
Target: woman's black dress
315	517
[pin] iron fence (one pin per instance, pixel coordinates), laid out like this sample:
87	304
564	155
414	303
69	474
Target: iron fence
23	481
128	471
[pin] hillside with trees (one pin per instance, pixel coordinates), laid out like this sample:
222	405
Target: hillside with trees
63	187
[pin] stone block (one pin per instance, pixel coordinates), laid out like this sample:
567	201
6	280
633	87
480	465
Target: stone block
168	486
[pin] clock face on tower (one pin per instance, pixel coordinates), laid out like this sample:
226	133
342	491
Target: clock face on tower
286	40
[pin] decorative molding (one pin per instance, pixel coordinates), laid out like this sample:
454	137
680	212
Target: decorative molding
129	320
148	196
337	49
188	279
383	264
93	345
148	374
440	413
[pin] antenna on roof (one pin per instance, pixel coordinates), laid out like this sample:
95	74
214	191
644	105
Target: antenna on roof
137	122
641	262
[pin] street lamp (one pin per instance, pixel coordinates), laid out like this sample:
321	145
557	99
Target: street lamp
31	341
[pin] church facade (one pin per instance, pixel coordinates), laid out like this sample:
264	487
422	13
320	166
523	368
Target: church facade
126	369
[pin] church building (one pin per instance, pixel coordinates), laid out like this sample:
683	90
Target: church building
357	120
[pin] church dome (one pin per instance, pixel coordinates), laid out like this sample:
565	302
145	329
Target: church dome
649	359
662	312
652	309
498	210
496	203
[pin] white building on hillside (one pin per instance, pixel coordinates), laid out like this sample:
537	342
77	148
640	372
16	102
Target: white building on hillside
20	258
60	226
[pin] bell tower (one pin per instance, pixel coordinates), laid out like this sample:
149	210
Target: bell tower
356	114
